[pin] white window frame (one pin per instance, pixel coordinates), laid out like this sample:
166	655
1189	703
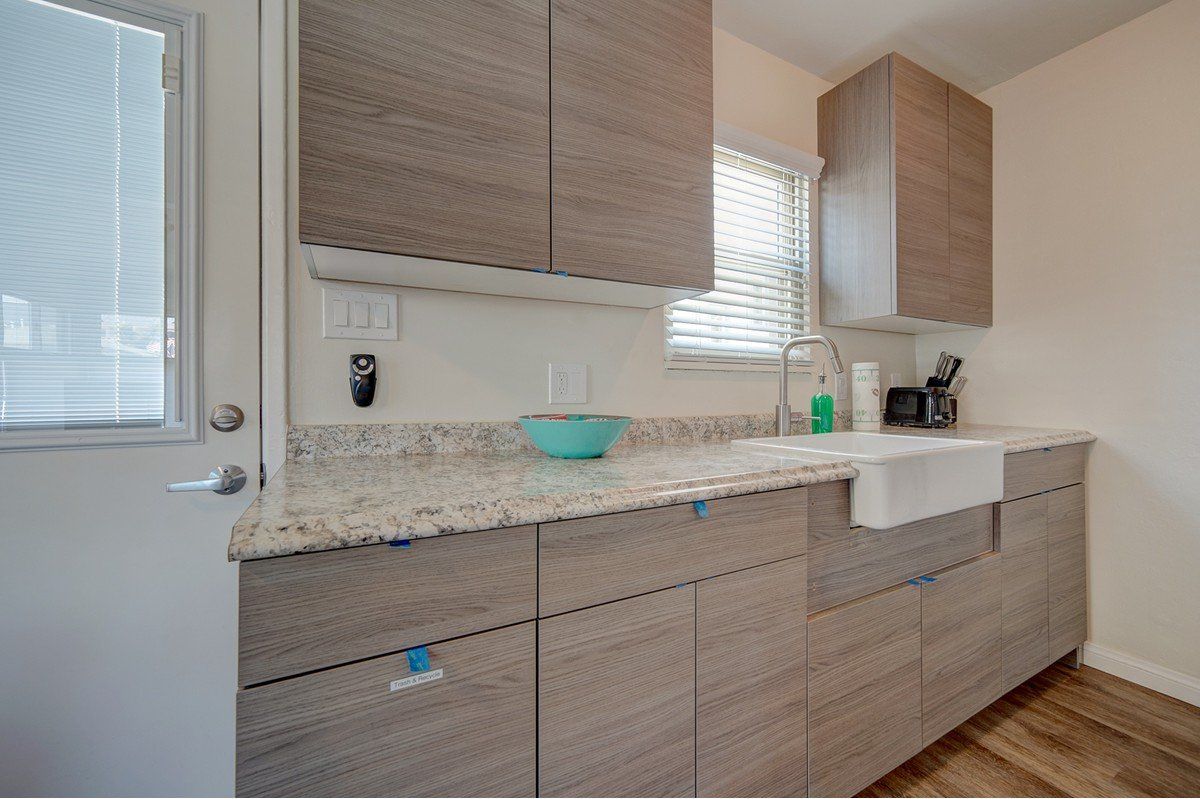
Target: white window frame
756	146
183	167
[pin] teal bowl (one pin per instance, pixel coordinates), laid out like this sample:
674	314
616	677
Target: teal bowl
574	435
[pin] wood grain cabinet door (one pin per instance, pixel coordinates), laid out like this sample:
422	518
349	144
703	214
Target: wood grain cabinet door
424	128
631	140
750	683
1066	530
356	731
1025	581
960	644
970	209
617	698
921	187
864	690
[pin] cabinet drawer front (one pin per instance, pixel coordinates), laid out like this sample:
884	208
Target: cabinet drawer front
960	644
750	713
304	612
850	564
585	562
1027	473
864	690
617	698
346	732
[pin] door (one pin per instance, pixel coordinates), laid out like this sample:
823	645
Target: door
1066	532
864	690
631	142
424	128
751	736
118	637
960	644
1025	589
617	698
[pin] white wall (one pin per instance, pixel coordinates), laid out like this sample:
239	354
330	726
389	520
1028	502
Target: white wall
1097	309
474	357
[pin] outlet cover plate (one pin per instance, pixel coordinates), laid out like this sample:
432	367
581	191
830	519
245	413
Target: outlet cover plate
366	315
568	383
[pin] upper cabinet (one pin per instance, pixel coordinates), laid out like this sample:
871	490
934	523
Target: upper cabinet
632	140
905	202
425	128
563	136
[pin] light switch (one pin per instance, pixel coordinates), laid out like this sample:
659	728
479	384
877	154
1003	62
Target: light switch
341	313
370	315
362	314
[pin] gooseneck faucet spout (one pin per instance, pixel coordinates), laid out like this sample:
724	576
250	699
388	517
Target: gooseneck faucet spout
783	411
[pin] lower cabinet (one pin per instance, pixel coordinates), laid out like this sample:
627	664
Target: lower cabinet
617	698
372	729
960	644
864	690
750	683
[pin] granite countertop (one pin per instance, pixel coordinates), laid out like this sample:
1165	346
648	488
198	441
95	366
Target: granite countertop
1015	439
350	498
336	502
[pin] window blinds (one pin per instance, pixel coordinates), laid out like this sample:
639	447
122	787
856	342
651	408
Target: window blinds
761	293
84	339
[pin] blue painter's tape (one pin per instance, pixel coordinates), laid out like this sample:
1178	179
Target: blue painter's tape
404	544
542	269
925	578
701	508
913	582
561	272
418	659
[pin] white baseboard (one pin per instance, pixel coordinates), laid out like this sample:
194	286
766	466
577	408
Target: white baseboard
1149	675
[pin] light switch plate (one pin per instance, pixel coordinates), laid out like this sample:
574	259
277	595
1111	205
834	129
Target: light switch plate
369	315
568	383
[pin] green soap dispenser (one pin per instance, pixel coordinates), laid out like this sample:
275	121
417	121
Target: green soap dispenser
822	407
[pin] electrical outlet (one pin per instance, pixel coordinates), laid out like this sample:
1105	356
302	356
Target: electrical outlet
841	386
568	383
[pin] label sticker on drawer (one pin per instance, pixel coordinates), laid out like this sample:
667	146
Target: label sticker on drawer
416	679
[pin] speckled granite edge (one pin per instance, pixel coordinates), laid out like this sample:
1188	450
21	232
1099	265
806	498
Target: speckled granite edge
336	530
312	441
1015	439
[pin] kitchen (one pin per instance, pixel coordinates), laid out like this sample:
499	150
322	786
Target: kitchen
891	557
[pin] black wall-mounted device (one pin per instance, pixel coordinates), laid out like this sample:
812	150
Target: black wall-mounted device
363	376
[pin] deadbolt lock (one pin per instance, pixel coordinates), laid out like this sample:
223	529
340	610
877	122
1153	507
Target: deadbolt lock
226	418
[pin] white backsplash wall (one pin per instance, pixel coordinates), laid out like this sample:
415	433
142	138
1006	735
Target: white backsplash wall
1097	288
463	357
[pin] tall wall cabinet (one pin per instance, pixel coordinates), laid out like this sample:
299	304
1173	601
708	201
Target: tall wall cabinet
906	201
572	135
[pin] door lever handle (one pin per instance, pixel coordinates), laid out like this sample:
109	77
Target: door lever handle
221	480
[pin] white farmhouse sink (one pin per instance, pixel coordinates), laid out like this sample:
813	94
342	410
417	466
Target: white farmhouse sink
901	478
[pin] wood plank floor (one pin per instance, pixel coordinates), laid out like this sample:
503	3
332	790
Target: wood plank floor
1062	733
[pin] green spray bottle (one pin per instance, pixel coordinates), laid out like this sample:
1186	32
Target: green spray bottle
822	407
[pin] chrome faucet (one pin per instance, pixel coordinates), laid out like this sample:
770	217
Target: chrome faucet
783	411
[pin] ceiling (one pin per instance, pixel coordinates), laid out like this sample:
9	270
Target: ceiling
972	43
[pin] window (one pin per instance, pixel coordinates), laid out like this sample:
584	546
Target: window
761	293
96	254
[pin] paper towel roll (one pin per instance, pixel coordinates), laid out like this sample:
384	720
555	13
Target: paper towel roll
865	379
